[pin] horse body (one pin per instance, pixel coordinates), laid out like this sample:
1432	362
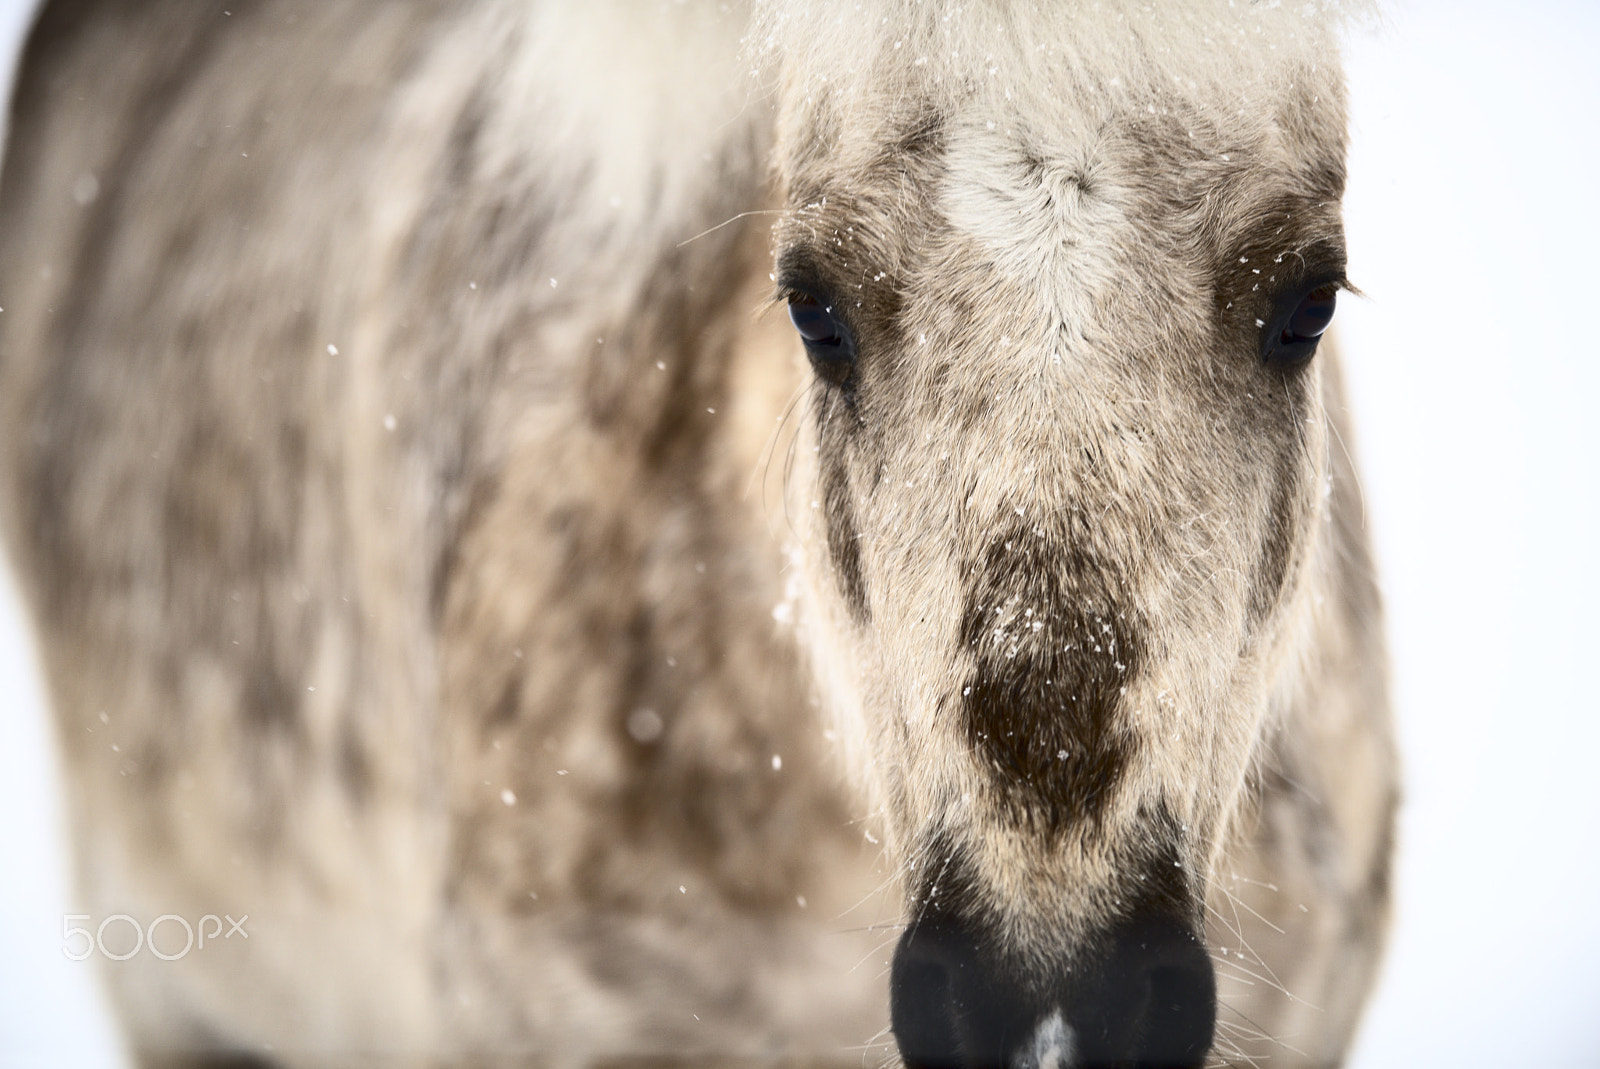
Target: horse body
437	559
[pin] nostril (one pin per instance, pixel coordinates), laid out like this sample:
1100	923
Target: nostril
1182	1015
1157	1007
923	1003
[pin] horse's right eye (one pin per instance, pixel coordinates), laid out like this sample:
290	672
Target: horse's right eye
827	339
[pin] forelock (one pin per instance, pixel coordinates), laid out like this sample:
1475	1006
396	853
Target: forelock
1016	49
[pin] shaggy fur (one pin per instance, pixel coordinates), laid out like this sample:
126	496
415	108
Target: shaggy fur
439	558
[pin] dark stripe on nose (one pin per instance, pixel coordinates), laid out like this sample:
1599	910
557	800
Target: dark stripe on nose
844	541
1055	641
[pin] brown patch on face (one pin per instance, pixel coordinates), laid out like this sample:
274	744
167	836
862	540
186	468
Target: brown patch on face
843	537
849	274
1287	247
1277	546
1055	641
836	248
845	241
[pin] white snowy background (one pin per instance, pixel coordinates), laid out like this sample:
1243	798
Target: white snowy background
1474	226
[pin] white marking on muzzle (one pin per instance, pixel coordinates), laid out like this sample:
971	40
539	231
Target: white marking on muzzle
1052	1046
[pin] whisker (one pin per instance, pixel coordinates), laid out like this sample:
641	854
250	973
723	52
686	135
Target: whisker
1255	1031
1355	470
768	450
730	222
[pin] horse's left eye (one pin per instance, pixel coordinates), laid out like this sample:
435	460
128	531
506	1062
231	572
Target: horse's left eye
827	339
1290	338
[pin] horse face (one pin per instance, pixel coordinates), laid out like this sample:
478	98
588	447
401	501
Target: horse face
1062	475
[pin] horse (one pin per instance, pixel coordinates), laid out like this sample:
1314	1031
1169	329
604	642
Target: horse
603	534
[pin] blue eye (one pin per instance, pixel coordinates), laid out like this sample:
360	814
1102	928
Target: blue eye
827	339
1290	337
